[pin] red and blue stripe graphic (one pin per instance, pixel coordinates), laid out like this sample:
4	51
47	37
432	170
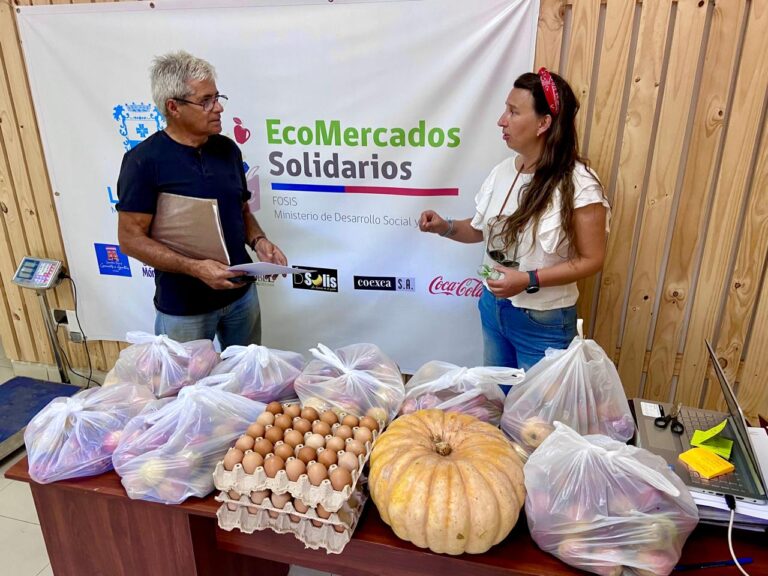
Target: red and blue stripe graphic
343	189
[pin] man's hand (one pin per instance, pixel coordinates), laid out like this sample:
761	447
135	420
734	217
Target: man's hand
268	252
216	275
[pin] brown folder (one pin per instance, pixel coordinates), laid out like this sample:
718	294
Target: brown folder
190	226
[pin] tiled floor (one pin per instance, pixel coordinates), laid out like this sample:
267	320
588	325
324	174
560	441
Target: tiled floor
21	542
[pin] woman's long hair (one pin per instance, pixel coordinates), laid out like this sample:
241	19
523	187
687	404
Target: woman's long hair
554	169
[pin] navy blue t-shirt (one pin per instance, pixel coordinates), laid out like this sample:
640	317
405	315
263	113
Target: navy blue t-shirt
214	170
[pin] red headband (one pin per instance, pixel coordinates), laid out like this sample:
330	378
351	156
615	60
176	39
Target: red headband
550	91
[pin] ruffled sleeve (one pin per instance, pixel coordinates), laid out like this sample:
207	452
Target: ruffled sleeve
588	190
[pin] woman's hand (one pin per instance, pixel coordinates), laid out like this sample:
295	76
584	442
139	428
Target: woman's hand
511	284
431	221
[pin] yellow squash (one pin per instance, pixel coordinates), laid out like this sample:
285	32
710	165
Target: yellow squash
446	481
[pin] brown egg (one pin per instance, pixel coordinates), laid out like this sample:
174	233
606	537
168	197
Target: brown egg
369	423
362	434
309	414
317	473
339	528
355	446
283	421
293	438
317	524
252	510
320	427
255	430
302	425
327	458
299	506
306	454
292	410
334	443
283	450
251	461
273	465
378	414
294	468
293	518
280	500
266	418
244	443
232	457
349	461
322	512
234	494
273	514
258	497
340	478
315	441
350	420
343	432
329	417
263	446
273	434
275	407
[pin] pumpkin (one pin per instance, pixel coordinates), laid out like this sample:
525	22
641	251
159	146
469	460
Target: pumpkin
446	481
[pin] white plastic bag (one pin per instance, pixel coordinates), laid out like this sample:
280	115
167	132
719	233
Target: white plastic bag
606	507
578	386
163	364
143	421
75	437
175	455
357	379
260	373
474	391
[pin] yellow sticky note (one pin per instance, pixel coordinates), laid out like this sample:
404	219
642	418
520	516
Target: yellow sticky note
706	463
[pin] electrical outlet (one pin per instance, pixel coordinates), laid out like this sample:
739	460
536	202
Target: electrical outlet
59	316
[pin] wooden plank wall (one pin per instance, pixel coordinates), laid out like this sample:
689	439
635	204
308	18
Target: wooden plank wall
673	119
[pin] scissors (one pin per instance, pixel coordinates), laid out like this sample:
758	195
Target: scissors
671	420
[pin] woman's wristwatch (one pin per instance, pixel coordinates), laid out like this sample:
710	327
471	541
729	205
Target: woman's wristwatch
533	282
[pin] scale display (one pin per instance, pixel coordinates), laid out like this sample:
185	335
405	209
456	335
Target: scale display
37	273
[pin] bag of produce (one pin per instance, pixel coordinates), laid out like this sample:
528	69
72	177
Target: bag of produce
163	364
578	386
357	379
127	448
474	391
75	437
175	455
603	506
260	373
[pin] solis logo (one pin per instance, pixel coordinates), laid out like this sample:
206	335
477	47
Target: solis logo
323	279
385	283
471	287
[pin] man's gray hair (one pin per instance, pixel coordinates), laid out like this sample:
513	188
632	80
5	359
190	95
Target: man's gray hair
170	74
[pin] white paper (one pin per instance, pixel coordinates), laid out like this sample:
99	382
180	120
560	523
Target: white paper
267	269
759	439
650	410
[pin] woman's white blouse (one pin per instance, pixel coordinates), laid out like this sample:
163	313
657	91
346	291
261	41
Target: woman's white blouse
551	246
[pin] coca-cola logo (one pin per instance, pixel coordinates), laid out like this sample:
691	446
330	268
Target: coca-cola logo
471	287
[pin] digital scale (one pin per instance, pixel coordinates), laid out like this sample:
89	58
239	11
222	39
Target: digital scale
40	275
21	397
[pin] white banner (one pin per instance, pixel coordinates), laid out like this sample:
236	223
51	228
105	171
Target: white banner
352	118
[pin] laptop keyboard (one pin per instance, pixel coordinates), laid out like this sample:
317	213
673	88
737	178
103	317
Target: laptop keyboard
693	420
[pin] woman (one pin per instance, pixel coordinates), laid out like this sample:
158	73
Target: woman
544	220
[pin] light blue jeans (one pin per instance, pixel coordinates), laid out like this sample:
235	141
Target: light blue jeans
238	323
518	337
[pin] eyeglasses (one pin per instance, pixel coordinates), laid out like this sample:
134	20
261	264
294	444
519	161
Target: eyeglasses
208	104
499	256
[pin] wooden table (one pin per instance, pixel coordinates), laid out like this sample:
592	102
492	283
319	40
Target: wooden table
92	528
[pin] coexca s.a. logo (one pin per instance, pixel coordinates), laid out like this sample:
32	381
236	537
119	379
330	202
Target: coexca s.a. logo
391	283
322	279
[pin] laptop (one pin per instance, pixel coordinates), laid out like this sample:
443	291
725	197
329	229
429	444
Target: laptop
744	483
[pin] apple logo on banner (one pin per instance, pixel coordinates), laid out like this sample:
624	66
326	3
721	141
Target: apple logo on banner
242	134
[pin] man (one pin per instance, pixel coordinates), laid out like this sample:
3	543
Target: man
193	298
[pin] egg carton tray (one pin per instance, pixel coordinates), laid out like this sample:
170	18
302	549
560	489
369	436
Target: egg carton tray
249	519
332	500
345	517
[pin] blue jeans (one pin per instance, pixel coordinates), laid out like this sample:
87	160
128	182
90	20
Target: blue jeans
518	337
238	323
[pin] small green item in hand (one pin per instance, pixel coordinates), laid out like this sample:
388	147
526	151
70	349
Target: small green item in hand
488	273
